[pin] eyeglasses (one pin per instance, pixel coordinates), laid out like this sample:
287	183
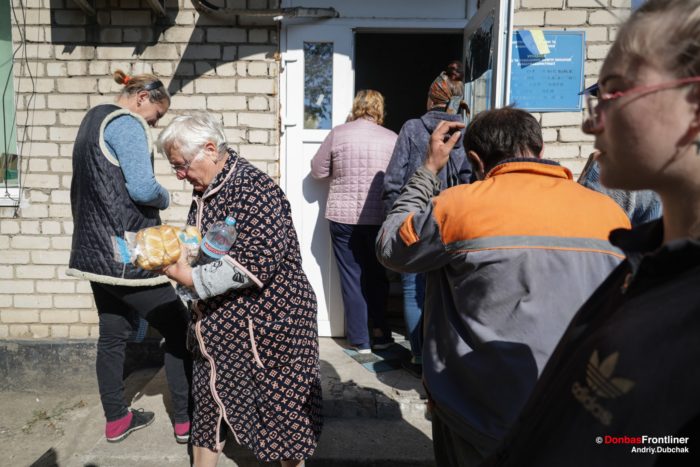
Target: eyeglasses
182	168
596	104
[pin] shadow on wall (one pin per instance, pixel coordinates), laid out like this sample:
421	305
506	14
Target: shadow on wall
316	192
138	27
132	31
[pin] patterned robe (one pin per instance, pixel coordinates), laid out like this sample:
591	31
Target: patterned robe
256	364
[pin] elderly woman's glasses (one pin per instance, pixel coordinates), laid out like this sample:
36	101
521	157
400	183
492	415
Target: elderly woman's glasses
597	104
181	168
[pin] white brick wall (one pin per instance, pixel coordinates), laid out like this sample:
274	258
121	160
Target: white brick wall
64	75
229	69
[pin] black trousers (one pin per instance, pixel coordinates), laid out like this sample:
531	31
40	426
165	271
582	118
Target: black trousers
118	308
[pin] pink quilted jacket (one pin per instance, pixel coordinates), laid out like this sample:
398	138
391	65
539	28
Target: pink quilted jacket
355	155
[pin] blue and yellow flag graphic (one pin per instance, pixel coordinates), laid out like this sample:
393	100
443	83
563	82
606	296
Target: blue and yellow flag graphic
535	42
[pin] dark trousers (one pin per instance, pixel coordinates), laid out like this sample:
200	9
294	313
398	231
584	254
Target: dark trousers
363	280
413	301
118	308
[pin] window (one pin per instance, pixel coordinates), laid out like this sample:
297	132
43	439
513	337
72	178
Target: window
8	138
318	85
479	66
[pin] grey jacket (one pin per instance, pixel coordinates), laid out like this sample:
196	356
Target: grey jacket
508	261
410	151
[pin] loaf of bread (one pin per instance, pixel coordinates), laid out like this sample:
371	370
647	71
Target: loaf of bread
157	247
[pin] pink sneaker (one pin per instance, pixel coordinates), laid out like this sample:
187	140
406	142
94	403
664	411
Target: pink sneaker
135	420
182	432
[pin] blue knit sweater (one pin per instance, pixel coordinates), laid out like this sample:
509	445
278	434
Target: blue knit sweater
127	142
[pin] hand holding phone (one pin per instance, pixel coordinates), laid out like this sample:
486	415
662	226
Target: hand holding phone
453	105
442	141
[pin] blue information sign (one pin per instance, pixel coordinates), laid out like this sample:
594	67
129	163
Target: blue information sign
547	82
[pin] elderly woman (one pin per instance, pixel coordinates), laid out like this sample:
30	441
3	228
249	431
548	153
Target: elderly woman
354	156
256	366
628	364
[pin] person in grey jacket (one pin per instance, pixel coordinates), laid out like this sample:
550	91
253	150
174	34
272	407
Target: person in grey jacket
508	260
409	154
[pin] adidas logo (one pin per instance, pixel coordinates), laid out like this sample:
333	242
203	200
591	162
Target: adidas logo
599	377
601	382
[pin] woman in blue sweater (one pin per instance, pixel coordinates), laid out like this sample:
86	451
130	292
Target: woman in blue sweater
114	190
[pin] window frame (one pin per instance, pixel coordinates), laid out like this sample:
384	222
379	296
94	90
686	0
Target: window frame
9	195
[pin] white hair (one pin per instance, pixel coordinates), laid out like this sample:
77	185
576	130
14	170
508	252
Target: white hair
189	133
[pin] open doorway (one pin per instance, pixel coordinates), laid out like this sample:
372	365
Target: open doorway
401	66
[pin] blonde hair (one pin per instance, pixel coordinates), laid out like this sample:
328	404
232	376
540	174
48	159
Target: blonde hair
368	103
664	34
144	82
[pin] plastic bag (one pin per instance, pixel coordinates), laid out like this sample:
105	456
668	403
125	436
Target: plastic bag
157	247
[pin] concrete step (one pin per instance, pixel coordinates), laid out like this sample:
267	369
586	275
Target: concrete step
351	391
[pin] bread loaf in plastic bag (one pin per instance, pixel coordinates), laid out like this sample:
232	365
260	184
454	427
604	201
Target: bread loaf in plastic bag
157	247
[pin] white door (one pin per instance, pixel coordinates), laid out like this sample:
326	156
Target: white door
318	84
317	87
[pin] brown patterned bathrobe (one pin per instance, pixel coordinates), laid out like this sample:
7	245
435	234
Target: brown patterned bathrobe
256	367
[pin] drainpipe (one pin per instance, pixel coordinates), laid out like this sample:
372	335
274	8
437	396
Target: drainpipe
203	6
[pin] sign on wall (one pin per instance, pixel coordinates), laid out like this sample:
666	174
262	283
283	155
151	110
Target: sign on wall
547	70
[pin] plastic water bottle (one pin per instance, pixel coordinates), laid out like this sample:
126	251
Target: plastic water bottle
218	241
215	244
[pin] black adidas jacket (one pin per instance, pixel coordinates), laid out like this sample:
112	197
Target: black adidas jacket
628	367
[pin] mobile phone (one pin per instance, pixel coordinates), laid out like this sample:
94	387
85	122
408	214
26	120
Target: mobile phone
451	132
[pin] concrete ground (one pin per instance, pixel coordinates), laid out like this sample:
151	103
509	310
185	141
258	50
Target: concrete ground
36	421
371	419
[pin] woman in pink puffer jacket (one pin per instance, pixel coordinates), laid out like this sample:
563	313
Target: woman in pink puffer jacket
354	156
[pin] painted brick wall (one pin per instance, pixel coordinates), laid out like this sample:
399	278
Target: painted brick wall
564	140
64	68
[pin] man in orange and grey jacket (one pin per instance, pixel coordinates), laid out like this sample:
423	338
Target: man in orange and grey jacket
508	261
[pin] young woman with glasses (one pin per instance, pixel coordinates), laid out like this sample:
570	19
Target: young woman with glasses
624	379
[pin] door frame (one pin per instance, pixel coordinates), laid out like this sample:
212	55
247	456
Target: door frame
503	20
291	128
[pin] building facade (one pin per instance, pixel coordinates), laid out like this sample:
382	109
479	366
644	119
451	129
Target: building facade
248	61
